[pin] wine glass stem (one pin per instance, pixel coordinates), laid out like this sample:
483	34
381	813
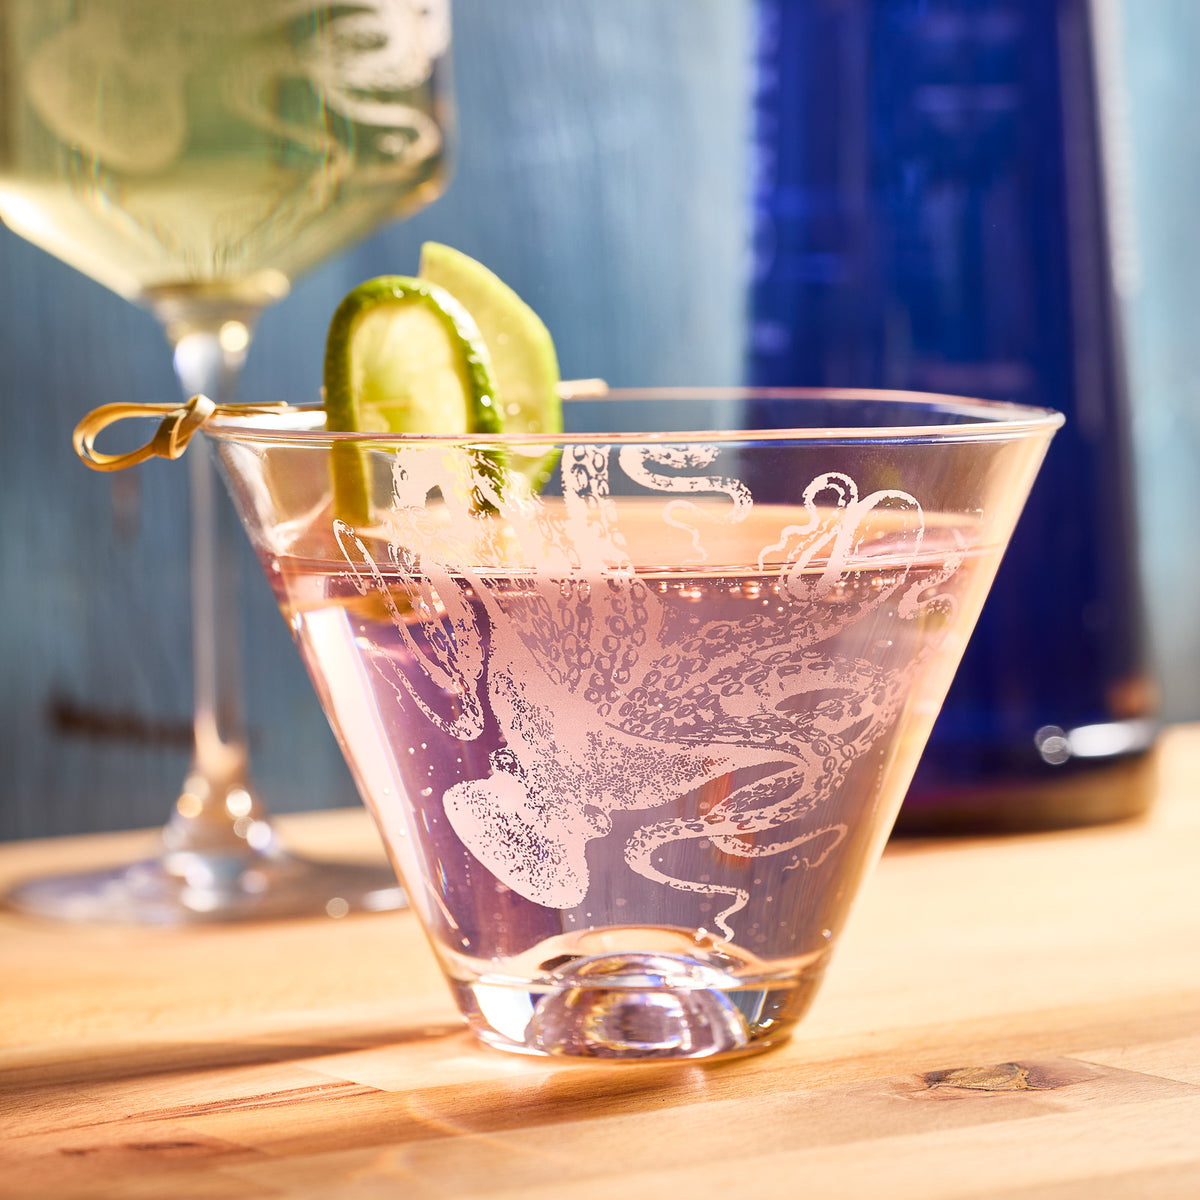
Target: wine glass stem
217	811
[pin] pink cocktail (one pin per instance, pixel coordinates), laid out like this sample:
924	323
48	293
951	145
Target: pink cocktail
633	739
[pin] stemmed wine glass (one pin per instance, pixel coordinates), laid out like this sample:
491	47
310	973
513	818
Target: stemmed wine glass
195	156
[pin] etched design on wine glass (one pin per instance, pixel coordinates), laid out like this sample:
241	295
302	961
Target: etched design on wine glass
367	54
608	697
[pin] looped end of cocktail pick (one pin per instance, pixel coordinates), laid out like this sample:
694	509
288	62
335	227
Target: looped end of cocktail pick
179	422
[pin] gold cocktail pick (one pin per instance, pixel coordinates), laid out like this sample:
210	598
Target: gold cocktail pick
170	440
180	421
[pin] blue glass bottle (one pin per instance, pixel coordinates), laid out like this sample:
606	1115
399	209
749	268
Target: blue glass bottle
929	214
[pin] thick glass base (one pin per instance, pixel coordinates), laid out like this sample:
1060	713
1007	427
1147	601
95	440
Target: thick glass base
189	887
640	1006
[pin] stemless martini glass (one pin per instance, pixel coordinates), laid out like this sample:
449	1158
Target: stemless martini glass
633	739
195	156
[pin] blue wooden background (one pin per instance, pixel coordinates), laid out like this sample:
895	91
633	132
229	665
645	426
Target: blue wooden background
602	170
1157	156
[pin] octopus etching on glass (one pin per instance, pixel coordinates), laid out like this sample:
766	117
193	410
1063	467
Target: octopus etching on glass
609	700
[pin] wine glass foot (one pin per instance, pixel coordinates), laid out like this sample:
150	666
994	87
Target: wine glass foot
185	888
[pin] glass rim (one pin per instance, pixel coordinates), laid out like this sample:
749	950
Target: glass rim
980	420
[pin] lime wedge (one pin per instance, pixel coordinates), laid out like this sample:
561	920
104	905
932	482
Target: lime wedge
519	346
402	356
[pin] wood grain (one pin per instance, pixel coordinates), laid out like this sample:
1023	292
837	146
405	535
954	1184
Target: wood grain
1005	1018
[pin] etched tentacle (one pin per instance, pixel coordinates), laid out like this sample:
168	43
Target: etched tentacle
637	462
453	660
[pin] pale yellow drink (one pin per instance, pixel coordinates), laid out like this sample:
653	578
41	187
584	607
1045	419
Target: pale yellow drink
169	147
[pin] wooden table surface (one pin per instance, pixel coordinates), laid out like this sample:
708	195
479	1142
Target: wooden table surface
1015	1017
